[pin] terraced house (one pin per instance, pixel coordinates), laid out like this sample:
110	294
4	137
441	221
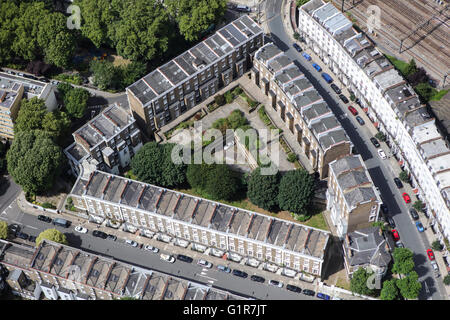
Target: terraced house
301	107
107	142
175	216
179	85
390	103
61	272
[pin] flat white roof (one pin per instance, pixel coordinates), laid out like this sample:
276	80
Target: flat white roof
425	132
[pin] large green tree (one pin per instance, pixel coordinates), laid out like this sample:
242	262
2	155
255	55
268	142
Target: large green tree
34	160
3	230
52	235
403	261
153	164
105	75
409	286
295	191
262	190
358	283
222	183
389	290
8	15
195	16
75	102
31	114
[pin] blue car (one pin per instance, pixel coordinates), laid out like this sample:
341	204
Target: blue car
323	296
297	47
317	67
306	56
327	77
419	226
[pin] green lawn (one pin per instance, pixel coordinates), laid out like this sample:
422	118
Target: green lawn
317	221
399	64
438	96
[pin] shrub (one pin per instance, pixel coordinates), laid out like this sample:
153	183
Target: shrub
228	97
237	91
436	245
291	157
301	217
404	176
380	136
219	100
447	280
48	205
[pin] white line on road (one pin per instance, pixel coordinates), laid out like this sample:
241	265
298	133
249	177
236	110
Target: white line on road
16	222
3	218
206	277
32	227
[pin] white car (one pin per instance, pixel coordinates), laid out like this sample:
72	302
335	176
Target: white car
150	248
81	229
131	243
381	154
276	283
167	257
204	263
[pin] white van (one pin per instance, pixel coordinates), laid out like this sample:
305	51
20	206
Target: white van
242	8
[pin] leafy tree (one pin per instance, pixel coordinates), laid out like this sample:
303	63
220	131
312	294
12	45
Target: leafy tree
379	224
380	136
222	183
31	115
131	72
153	164
403	261
447	280
195	16
219	99
75	102
34	161
236	119
295	191
436	245
411	68
299	3
389	290
196	175
57	123
9	12
418	77
105	75
64	87
418	205
404	176
409	286
3	230
358	283
262	190
52	235
221	124
425	91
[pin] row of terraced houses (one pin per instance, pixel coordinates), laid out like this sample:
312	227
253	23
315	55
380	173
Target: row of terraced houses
389	101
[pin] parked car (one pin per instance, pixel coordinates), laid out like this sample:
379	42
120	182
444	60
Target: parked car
335	88
343	98
353	110
257	279
391	221
384	209
430	254
317	67
406	197
111	237
61	222
413	213
184	258
242	8
14	229
375	142
323	296
306	56
167	257
435	268
204	263
151	248
297	47
41	217
276	283
419	226
99	234
240	273
360	120
327	77
395	235
398	183
308	292
381	154
131	243
32	238
223	268
293	288
22	235
81	229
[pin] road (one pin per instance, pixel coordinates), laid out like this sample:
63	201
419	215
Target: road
380	170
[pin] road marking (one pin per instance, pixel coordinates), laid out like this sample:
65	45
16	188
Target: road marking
206	277
204	269
32	227
3	218
16	222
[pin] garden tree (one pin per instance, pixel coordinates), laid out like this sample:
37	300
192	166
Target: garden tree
57	123
404	176
295	191
409	286
411	68
379	224
380	136
75	102
418	77
143	29
34	161
31	114
196	175
219	99
8	13
195	16
131	72
63	88
221	124
236	119
38	67
52	235
3	230
389	290
262	189
418	205
447	280
436	245
424	90
358	283
222	183
153	164
105	75
403	261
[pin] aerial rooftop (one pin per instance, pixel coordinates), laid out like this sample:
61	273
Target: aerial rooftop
31	87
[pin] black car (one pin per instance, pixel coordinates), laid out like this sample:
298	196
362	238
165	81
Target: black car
391	222
308	292
44	218
375	142
293	288
111	237
360	120
257	278
297	47
32	238
14	229
398	183
184	258
99	234
413	213
240	273
343	98
384	209
23	235
335	88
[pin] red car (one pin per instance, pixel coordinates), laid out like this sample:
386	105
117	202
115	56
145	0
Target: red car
395	235
430	254
353	110
406	197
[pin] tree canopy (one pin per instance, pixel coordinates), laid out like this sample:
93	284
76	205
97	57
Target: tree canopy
295	191
358	283
409	286
403	261
52	235
75	102
389	290
262	190
3	230
34	160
